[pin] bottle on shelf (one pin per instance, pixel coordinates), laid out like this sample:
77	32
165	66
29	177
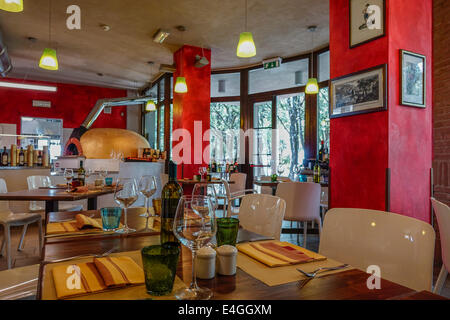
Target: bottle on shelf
30	153
21	157
39	158
81	174
13	155
316	176
4	157
322	151
170	196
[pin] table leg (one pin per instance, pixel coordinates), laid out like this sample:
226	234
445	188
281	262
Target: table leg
50	206
92	203
274	191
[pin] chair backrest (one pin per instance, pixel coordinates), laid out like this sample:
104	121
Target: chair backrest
262	214
265	190
401	246
4	205
324	196
442	212
302	200
284	179
239	180
36	182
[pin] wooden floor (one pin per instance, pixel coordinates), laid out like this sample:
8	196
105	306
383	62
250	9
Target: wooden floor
30	254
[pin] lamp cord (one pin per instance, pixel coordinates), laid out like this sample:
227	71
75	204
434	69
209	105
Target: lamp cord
50	22
246	16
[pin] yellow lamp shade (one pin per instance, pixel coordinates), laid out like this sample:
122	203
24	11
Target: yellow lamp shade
150	106
180	85
312	87
49	61
246	47
11	5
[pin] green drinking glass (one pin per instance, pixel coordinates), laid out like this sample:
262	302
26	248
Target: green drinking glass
160	267
227	231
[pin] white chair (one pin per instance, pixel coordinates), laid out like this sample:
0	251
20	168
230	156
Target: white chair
265	190
323	201
262	214
302	203
402	247
36	182
234	192
442	212
9	219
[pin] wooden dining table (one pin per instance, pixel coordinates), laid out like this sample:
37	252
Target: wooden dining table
344	285
53	196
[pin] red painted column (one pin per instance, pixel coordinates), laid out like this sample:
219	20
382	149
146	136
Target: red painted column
364	146
191	111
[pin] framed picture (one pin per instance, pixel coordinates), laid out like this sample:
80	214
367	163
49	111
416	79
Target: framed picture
413	79
367	21
361	92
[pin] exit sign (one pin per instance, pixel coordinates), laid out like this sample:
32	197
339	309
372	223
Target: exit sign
272	63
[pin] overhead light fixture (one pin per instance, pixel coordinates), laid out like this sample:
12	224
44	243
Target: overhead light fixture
27	86
160	36
312	86
11	5
246	47
150	106
181	85
201	61
49	60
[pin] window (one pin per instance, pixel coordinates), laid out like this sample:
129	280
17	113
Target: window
225	124
262	139
161	89
290	133
225	85
323	117
42	132
150	128
161	127
324	66
288	75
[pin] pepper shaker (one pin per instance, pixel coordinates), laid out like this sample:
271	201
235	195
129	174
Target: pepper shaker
226	260
206	263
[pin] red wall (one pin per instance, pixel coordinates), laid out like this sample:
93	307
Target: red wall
193	105
363	146
72	103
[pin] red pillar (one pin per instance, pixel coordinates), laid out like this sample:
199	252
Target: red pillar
364	146
191	110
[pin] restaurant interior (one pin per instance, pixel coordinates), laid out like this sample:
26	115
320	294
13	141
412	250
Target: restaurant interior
224	150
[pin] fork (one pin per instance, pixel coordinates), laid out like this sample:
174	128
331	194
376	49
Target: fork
317	271
102	255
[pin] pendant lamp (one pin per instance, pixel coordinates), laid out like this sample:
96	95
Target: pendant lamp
312	86
11	5
246	47
49	60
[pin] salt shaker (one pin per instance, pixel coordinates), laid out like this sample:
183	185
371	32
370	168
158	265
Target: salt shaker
206	263
226	260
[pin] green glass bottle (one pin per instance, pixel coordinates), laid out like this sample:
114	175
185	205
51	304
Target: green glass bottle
81	174
317	172
170	196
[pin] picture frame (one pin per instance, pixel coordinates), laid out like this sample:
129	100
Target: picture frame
367	21
413	79
360	92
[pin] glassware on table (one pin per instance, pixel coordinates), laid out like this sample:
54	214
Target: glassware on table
280	170
227	231
160	267
111	218
206	189
147	186
126	194
68	175
194	226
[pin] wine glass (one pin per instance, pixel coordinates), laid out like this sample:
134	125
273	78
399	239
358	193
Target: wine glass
68	175
126	194
280	170
147	186
103	172
194	226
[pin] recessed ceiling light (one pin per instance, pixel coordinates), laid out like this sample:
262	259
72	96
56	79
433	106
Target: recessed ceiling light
160	36
105	27
181	28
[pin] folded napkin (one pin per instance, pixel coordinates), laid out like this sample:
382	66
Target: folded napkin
81	222
96	276
276	253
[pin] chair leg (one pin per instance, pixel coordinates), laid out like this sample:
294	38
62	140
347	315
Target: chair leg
440	280
3	247
305	232
24	231
298	232
8	245
41	236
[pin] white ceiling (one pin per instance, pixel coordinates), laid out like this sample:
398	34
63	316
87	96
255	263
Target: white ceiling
121	54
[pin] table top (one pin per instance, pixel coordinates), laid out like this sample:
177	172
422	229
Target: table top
52	195
344	285
190	181
267	183
134	221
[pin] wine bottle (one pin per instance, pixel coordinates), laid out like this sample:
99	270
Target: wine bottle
39	159
322	151
4	157
21	157
81	174
317	172
170	196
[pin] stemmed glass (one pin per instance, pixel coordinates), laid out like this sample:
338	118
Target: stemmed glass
204	189
68	175
280	170
126	194
147	186
194	226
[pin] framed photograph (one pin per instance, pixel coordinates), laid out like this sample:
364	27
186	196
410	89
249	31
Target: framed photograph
413	79
360	92
367	21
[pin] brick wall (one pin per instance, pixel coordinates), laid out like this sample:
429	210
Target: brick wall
441	111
